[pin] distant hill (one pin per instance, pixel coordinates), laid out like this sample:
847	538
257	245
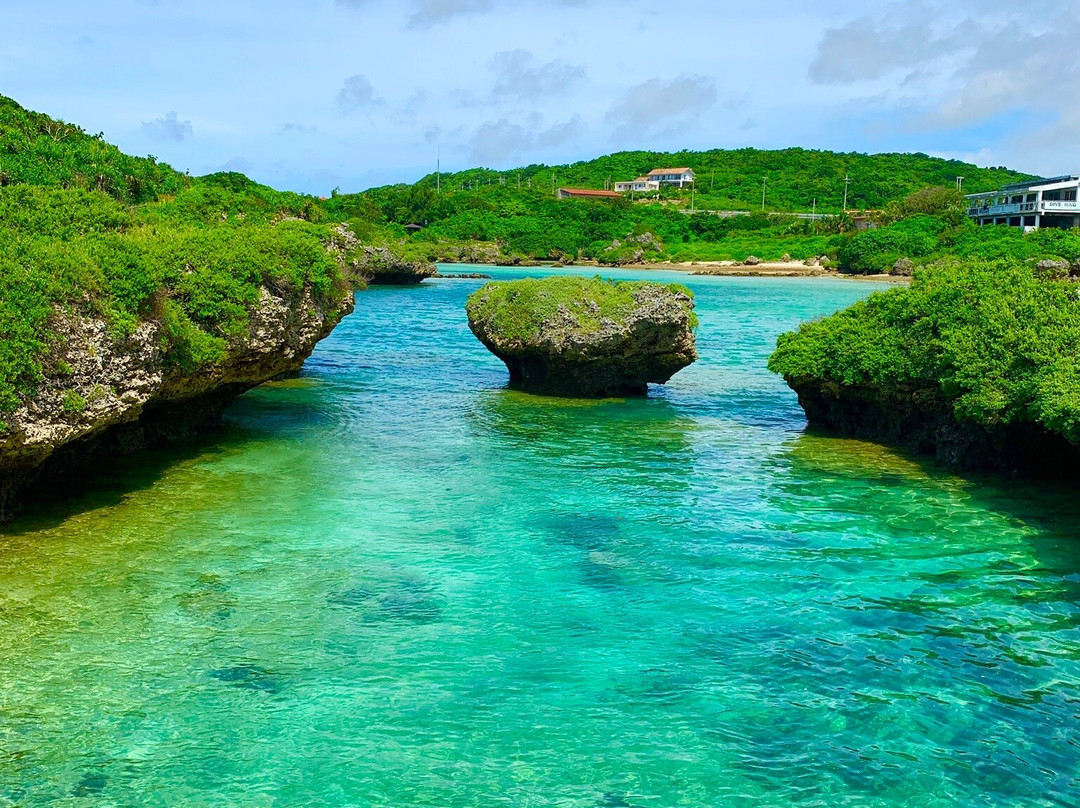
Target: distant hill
734	178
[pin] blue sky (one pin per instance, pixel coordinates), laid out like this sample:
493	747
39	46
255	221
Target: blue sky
353	93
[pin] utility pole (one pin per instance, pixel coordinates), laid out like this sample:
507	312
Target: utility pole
847	184
764	187
438	172
960	184
712	181
693	198
813	216
553	184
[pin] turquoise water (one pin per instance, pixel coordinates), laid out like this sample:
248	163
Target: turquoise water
392	582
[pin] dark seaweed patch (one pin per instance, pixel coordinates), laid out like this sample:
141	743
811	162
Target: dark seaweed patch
91	785
413	602
247	677
351	598
588	531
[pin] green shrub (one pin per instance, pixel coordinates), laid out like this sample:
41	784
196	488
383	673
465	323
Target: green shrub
88	229
998	343
73	402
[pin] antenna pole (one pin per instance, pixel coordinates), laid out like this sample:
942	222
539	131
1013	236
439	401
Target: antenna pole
847	184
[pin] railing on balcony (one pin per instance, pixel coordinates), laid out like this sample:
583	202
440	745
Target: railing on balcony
1002	210
1046	206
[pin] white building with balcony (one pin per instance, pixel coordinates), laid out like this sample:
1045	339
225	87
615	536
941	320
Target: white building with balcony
641	185
1031	205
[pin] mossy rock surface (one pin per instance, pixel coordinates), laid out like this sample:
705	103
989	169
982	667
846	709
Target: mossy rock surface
586	337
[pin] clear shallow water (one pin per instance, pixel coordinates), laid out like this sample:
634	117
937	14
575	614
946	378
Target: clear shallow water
394	583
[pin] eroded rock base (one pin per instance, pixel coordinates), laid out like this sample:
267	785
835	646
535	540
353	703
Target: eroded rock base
71	467
601	379
923	423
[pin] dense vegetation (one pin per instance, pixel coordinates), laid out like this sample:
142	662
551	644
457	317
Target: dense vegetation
517	210
517	310
86	227
993	338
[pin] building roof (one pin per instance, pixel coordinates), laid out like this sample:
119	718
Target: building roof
1026	186
1022	186
589	192
668	171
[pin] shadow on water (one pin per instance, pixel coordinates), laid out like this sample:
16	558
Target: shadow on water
264	413
114	479
892	479
637	434
923	608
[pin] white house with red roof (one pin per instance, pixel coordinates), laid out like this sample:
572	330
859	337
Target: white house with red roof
657	178
672	176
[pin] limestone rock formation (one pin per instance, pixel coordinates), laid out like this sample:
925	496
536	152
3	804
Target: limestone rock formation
1053	269
115	395
586	337
903	267
379	266
922	421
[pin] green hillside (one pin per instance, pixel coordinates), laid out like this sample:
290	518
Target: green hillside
733	179
518	210
88	228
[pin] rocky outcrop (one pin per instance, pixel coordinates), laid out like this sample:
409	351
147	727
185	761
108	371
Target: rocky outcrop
903	267
922	421
107	395
630	250
569	346
380	267
1053	269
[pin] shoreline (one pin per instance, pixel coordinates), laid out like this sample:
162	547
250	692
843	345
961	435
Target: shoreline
714	269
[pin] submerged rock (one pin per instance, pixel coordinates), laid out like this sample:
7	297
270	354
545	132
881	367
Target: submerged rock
586	337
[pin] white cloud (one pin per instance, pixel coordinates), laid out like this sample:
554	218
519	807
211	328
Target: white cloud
168	127
357	94
502	141
518	76
658	104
